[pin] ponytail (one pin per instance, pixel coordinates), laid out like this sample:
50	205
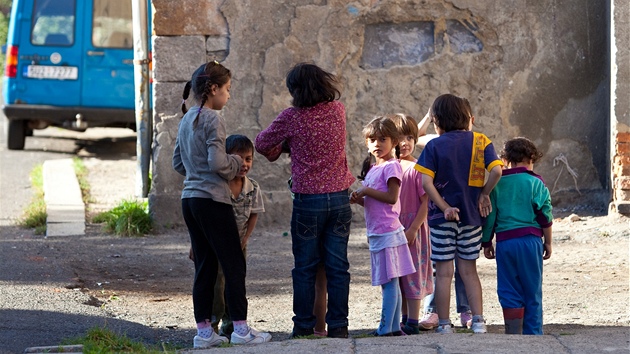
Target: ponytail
367	165
185	96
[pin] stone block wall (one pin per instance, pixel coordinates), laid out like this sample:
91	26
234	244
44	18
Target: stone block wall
529	68
620	105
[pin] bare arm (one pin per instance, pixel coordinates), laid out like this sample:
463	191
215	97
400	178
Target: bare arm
547	244
390	196
251	223
485	206
450	213
421	216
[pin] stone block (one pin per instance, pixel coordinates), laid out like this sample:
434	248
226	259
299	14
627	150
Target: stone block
623	207
176	58
622	148
167	98
217	43
622	183
623	137
188	17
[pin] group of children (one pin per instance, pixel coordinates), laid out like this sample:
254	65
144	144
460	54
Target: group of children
422	216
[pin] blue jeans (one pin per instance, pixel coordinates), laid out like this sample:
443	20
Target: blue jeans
461	299
320	227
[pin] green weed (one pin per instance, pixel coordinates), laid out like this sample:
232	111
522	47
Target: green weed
129	218
35	214
102	340
81	172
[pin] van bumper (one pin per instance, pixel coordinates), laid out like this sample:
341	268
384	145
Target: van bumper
65	116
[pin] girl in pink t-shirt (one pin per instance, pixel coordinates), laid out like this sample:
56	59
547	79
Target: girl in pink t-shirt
379	194
413	216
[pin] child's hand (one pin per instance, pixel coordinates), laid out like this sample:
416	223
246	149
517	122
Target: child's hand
451	214
485	206
411	236
489	252
546	250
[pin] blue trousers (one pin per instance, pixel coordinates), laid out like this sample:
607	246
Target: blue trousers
320	228
519	279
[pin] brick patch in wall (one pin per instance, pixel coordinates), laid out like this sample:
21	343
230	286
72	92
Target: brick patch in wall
622	183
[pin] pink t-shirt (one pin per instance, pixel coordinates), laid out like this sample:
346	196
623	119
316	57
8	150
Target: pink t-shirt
317	139
382	218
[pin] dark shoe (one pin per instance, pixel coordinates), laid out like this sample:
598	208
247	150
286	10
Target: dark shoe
301	332
374	333
339	332
398	333
411	329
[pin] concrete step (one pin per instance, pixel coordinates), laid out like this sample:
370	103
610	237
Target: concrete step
64	203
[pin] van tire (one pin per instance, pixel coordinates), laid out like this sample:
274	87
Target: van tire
16	134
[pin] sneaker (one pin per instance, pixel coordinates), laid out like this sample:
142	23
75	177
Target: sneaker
479	327
411	329
429	321
339	332
301	332
215	340
466	319
444	329
252	337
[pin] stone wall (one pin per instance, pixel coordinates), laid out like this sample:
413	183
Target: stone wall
620	105
533	68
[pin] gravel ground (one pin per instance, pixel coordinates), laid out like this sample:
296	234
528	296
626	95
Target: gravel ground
141	286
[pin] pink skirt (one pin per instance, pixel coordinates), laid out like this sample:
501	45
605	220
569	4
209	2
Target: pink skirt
390	263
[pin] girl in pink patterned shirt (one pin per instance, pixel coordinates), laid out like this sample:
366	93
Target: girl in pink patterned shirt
314	132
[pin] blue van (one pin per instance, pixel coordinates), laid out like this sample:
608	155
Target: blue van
69	63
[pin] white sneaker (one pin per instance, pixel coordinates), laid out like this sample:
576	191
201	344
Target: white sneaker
444	329
215	340
479	327
252	337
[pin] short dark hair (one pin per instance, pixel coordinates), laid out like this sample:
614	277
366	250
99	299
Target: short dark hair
520	149
310	85
238	143
450	112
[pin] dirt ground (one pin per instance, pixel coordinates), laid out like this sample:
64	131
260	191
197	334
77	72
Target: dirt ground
147	280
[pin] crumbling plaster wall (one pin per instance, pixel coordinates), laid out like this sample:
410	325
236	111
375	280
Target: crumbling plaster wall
533	68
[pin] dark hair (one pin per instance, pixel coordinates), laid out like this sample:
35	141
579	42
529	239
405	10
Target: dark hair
309	85
405	125
520	150
208	74
451	112
238	143
379	126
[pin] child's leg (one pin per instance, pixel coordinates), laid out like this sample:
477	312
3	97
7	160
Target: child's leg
390	313
468	272
461	298
468	247
319	308
218	305
442	296
530	273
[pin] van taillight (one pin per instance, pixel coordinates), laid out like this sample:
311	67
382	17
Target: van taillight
10	68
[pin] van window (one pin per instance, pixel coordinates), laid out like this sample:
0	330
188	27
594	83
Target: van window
53	22
112	26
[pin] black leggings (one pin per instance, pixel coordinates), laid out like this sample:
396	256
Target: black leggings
214	237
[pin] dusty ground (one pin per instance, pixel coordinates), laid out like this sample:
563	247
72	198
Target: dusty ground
147	280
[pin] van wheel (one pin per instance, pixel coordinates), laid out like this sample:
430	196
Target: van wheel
16	134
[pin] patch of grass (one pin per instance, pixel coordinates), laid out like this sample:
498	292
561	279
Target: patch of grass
103	340
81	172
129	218
35	214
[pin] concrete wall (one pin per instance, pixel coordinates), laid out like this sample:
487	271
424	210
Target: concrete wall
534	68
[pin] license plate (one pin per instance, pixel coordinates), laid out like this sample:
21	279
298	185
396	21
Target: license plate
51	72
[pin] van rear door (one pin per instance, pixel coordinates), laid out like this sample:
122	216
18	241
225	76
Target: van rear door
108	70
48	62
